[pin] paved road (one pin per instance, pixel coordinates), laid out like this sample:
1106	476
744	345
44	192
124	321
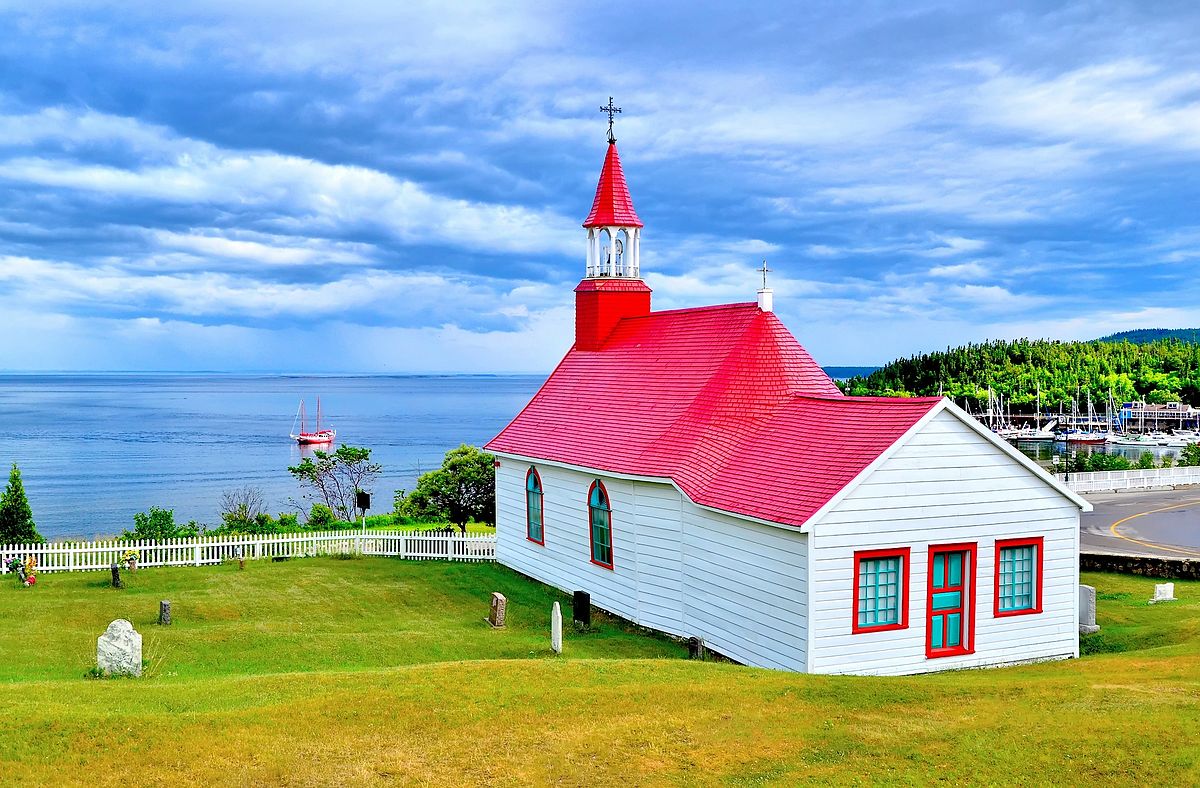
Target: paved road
1165	523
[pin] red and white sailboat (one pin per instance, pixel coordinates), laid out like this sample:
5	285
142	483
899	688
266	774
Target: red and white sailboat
318	435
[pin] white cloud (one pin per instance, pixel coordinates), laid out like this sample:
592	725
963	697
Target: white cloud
1132	101
971	270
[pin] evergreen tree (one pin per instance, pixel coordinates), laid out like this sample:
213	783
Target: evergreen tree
16	518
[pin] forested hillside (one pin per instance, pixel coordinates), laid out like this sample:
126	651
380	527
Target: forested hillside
1159	371
1143	335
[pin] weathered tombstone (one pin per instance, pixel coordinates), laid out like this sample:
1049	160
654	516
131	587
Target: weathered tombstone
116	577
1087	611
164	613
1163	592
581	608
119	649
498	611
556	628
695	648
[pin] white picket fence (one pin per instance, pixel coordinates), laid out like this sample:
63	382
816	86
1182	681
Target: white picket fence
1137	479
201	551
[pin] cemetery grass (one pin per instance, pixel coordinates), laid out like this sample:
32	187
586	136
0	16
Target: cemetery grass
378	670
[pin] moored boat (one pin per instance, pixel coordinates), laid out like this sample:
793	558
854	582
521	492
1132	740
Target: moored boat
317	436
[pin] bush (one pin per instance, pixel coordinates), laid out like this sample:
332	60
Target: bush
1146	461
321	517
160	524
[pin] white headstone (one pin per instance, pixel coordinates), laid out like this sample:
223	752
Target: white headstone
1087	611
119	649
556	629
1163	592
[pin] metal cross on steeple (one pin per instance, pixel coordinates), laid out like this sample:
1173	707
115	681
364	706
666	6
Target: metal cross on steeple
611	110
764	271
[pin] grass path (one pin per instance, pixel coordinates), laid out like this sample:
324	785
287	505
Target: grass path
308	673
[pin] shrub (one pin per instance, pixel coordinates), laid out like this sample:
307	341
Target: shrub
1146	461
321	517
160	524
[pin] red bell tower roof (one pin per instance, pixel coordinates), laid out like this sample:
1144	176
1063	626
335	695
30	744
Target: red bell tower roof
613	207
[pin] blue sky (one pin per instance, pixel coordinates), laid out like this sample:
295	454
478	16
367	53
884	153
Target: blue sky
398	187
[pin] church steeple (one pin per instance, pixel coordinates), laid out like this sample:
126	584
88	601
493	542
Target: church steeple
612	288
614	229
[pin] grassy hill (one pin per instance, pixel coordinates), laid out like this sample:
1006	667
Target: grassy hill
376	670
1142	336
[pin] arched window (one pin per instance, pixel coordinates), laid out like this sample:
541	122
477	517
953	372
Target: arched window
600	515
534	525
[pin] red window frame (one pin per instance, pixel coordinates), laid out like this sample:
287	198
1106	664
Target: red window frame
541	509
1034	541
970	593
904	554
591	537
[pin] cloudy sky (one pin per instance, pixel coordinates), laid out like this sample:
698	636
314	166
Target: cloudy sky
394	187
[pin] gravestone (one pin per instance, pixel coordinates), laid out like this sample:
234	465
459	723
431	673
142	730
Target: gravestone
119	649
164	613
556	629
695	648
498	611
116	577
1087	611
581	608
1163	592
241	563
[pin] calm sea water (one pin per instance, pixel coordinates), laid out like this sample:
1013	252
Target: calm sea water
95	449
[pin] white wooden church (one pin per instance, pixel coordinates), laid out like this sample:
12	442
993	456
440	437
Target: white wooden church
696	472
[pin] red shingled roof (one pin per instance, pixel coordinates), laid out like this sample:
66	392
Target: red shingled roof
723	400
613	207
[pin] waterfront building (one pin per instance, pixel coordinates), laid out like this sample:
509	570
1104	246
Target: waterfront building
697	473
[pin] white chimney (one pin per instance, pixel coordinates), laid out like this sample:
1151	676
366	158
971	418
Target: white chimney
766	299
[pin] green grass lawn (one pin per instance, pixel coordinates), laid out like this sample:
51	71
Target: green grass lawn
376	670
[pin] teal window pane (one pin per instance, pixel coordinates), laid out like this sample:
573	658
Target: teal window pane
601	525
939	571
936	623
1018	578
953	627
879	591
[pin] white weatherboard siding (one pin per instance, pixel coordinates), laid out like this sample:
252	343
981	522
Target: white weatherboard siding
565	560
677	568
745	588
946	484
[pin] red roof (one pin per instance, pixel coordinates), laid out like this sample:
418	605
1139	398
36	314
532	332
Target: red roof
722	400
613	207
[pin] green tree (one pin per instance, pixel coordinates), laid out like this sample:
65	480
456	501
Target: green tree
462	490
1190	456
160	524
16	518
334	478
